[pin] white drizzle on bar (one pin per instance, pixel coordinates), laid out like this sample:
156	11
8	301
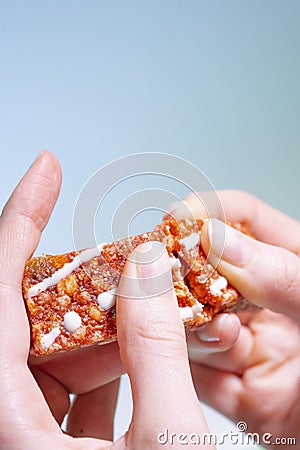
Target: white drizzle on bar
48	339
67	269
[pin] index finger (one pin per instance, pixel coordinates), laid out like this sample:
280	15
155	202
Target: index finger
21	223
26	214
265	222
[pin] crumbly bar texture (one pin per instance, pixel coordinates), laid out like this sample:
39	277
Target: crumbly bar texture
70	298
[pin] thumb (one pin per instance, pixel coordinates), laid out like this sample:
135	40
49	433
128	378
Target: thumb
265	274
152	345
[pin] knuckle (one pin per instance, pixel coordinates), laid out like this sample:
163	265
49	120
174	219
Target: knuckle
158	334
239	195
30	205
27	213
8	287
287	274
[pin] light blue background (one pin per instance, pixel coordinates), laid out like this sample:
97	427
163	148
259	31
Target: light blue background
216	82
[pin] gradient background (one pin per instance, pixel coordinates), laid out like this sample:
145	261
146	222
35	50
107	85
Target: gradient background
215	82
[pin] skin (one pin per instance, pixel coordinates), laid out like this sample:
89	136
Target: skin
34	395
247	366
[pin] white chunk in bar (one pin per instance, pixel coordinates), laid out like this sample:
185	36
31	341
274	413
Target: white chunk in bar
191	241
186	313
175	262
197	309
190	312
72	321
107	299
217	286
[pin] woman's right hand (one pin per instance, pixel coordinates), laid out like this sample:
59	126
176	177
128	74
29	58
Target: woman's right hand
248	365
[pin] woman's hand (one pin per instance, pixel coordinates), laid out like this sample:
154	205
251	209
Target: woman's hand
248	365
150	334
266	270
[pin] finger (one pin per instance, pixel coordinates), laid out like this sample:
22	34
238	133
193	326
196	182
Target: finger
267	275
266	223
246	316
152	344
219	389
267	337
56	395
92	413
85	369
234	359
27	212
214	337
23	218
271	357
21	223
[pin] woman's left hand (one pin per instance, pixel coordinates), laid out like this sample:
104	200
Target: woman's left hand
150	335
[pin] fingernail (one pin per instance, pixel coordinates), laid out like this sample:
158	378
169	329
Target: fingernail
209	332
148	257
179	210
153	268
206	334
229	244
39	156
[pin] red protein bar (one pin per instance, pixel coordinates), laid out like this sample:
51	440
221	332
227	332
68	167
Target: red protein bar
70	298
